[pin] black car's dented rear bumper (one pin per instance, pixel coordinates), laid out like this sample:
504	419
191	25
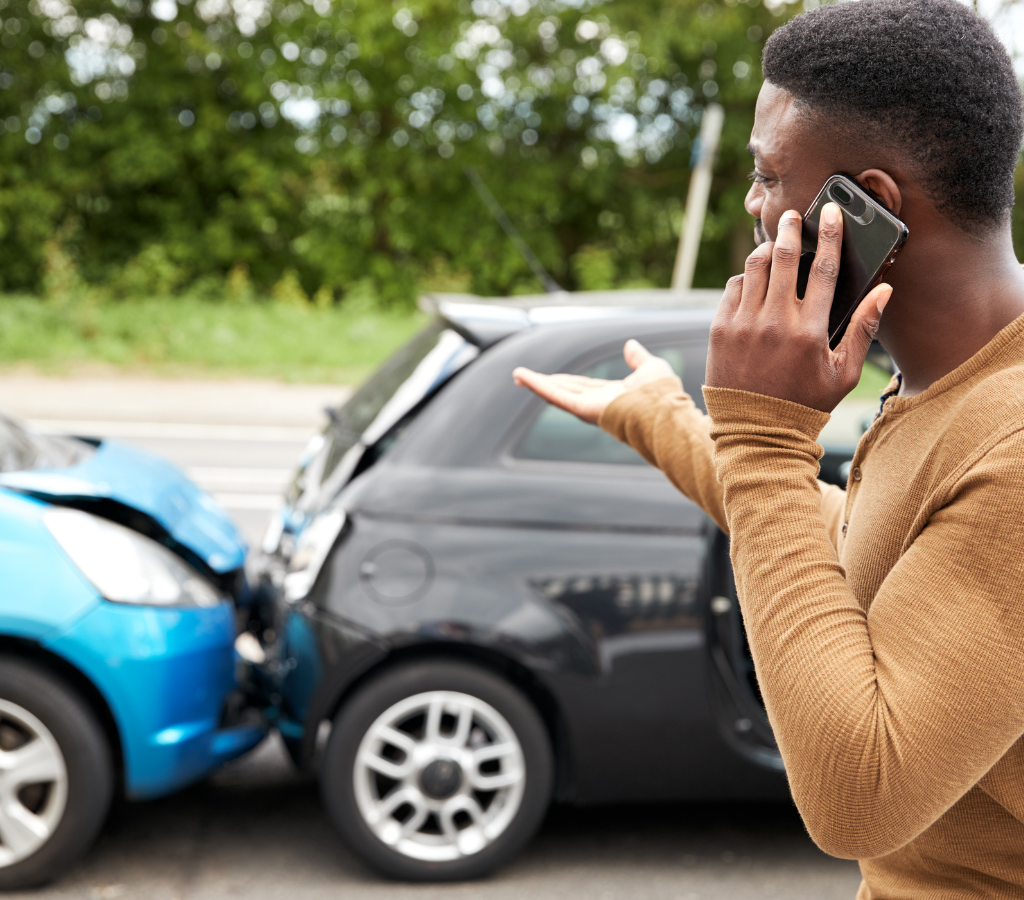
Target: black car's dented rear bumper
314	660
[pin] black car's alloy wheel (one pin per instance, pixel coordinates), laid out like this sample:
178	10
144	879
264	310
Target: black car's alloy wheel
56	776
437	770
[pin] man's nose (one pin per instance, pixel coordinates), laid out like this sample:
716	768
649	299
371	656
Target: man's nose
754	200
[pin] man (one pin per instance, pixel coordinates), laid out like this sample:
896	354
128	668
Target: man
886	621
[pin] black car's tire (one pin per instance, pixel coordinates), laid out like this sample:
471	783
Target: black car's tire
42	715
500	718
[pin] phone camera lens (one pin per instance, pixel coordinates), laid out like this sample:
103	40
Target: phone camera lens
841	194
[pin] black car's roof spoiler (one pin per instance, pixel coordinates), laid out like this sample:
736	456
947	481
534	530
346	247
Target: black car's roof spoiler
487	320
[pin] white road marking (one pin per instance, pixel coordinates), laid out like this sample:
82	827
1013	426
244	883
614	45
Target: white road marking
219	475
248	501
173	430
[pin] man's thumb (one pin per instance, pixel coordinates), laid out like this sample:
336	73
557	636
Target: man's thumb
636	354
863	326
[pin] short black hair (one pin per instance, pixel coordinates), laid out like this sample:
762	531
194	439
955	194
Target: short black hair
928	76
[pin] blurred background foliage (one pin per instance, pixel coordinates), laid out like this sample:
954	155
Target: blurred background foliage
314	150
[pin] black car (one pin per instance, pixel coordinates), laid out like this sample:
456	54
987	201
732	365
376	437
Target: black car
491	605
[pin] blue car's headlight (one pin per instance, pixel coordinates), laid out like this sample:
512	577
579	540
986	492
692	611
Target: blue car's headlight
125	566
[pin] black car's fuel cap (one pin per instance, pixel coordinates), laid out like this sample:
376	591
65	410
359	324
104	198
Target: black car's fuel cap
396	573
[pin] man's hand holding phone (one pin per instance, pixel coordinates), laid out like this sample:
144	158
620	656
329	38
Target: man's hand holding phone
766	340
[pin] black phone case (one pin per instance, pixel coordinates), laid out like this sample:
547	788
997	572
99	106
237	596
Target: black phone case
872	239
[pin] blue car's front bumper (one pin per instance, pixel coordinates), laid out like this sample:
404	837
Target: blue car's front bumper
165	674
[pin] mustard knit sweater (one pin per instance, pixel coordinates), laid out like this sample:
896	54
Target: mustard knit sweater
886	621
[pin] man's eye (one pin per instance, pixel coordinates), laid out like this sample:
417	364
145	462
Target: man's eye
758	178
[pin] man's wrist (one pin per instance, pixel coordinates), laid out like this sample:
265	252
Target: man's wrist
735	412
616	415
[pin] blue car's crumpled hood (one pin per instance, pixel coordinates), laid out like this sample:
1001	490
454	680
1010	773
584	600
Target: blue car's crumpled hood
152	486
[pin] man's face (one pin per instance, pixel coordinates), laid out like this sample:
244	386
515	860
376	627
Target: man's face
792	160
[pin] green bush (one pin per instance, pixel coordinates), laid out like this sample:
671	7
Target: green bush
149	273
167	148
594	267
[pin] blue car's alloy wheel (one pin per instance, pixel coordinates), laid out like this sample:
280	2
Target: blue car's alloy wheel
33	784
437	770
56	775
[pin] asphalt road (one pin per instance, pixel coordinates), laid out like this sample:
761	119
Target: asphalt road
256	830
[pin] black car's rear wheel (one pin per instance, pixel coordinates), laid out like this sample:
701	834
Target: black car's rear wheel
56	775
437	771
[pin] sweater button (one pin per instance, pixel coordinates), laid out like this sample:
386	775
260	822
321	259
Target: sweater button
856	473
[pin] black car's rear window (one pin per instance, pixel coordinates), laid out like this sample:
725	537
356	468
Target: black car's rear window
365	404
419	368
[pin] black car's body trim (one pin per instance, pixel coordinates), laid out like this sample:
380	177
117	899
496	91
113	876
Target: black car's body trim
528	524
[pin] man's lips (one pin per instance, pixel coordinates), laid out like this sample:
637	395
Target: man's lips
760	236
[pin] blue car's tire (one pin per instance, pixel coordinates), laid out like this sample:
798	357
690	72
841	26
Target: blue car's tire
437	771
56	775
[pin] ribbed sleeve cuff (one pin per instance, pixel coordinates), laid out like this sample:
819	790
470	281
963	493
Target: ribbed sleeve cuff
735	412
637	402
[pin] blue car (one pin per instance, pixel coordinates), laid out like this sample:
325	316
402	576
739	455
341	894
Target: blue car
121	584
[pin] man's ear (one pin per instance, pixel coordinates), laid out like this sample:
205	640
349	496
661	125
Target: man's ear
883	187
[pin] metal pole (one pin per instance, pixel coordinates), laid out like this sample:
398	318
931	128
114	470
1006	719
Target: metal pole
697	197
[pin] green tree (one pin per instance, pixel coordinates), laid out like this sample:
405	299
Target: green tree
163	146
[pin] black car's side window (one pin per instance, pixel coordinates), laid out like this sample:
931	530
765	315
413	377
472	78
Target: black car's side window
560	437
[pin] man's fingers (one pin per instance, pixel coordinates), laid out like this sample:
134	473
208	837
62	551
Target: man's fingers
573	383
853	349
821	284
785	262
636	354
581	381
730	302
538	382
756	273
524	377
548	387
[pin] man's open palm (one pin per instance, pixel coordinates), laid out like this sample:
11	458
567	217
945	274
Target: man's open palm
588	397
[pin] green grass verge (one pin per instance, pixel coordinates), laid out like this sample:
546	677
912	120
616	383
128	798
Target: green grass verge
183	336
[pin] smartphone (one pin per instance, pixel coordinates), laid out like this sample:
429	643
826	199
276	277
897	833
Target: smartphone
872	239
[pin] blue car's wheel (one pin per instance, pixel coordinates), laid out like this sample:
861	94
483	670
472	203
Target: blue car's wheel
437	770
56	775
